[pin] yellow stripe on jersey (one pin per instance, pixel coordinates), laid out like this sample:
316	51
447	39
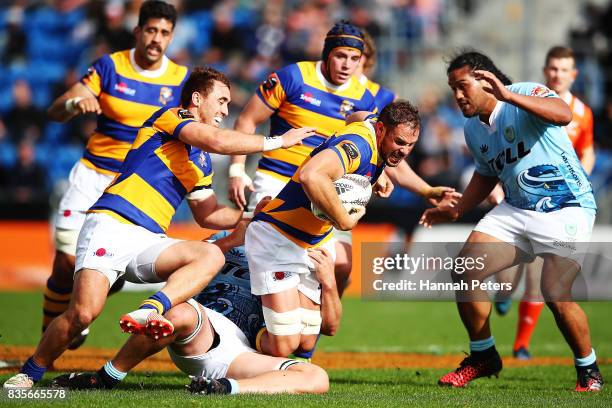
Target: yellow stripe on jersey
298	117
126	112
144	197
106	146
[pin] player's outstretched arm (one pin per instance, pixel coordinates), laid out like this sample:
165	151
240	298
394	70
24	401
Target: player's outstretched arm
477	190
405	177
331	307
552	110
225	141
317	177
254	114
75	101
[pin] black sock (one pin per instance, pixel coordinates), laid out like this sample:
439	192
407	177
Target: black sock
108	381
484	354
227	384
593	366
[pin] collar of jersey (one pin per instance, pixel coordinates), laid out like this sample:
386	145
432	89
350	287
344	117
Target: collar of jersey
146	73
493	118
328	84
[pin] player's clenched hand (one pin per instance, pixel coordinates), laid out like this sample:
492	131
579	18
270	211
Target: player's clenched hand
443	196
88	105
383	186
295	136
236	189
437	215
493	85
323	263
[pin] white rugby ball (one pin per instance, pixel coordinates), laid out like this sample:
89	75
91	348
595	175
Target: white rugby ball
354	192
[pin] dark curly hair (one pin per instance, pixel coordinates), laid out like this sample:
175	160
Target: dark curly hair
476	61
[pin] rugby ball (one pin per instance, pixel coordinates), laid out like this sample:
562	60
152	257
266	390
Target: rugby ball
354	192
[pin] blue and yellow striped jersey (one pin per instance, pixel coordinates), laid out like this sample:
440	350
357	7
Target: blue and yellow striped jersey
157	173
382	96
301	96
290	211
127	98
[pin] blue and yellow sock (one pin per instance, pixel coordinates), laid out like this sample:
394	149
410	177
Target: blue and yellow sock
33	370
159	301
55	302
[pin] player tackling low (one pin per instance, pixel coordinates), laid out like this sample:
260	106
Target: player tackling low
515	133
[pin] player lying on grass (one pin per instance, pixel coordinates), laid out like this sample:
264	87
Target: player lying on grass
515	134
278	238
214	334
124	231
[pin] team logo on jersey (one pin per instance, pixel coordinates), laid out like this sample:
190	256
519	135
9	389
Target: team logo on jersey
484	148
346	107
509	134
123	88
165	95
270	83
541	91
309	98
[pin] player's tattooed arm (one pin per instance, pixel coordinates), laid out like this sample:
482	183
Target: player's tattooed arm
550	110
75	101
331	307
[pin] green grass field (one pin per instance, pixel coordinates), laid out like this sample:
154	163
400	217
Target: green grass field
432	327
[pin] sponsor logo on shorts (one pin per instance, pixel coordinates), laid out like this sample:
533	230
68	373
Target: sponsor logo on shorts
571	229
102	252
67	213
277	276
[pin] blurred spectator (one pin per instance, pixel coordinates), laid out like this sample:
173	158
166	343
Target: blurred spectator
26	193
14	49
24	120
112	28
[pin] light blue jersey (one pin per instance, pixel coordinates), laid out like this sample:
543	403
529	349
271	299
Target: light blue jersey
534	160
229	293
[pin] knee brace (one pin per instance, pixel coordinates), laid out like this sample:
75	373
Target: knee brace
283	324
311	321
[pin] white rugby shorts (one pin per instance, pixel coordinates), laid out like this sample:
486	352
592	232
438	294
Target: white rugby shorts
85	187
276	264
215	362
565	232
116	249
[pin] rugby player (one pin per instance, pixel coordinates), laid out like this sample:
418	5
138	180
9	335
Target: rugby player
560	73
214	335
278	238
124	89
515	134
124	231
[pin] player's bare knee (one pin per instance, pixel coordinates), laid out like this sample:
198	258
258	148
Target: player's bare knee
317	378
183	317
79	318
